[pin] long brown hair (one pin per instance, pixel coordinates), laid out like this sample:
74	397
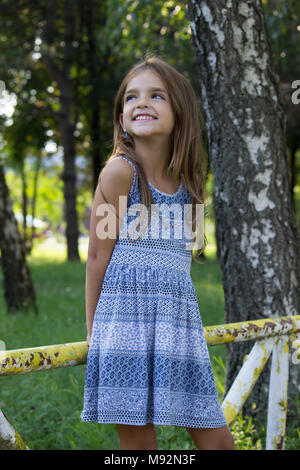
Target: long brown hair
188	155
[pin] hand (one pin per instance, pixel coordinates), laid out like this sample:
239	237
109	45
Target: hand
88	338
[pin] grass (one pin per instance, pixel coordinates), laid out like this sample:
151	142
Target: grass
45	406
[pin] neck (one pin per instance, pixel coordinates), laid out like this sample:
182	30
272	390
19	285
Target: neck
154	157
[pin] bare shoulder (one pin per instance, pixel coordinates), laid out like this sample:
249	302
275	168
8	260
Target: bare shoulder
117	174
115	180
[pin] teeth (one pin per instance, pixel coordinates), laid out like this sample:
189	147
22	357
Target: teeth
144	118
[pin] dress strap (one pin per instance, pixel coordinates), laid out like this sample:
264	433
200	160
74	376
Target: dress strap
134	176
127	159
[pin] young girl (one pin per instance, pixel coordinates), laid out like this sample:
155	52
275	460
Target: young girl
148	361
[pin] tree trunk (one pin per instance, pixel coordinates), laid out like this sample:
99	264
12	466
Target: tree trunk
293	172
256	234
24	205
18	288
34	197
67	122
95	17
67	129
69	174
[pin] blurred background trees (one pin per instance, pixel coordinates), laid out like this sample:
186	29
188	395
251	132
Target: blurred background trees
62	62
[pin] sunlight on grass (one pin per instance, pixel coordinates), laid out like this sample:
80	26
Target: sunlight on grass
52	250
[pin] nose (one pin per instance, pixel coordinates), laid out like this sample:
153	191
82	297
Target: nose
142	101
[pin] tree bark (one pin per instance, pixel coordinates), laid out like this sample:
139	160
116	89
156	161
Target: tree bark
256	233
18	288
293	175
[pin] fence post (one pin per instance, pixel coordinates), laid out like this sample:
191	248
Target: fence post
278	394
246	378
10	439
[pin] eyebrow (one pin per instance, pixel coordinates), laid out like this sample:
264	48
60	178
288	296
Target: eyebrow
134	90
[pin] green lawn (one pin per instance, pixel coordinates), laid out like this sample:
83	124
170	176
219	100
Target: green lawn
45	406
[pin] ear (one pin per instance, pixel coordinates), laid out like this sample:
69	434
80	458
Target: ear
121	120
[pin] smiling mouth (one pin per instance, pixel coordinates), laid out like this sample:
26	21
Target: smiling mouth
150	118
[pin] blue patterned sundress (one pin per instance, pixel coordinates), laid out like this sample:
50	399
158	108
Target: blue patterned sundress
148	360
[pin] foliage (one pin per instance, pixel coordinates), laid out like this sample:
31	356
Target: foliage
245	434
293	425
282	19
50	202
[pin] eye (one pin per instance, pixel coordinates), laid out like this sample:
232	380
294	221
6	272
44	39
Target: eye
132	96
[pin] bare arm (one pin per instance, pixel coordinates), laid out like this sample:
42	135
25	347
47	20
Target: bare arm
115	180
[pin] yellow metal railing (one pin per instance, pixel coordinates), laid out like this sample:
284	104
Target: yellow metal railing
272	335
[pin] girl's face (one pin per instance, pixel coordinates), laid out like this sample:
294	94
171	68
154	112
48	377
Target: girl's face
146	95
